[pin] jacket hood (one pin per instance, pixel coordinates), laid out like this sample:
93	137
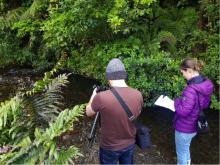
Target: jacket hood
205	87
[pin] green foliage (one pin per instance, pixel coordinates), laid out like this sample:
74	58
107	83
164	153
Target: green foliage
100	56
91	32
48	79
167	41
7	107
27	46
32	122
74	22
26	27
210	10
37	108
36	9
2	5
124	13
43	149
21	13
12	54
150	70
7	20
62	124
154	74
179	22
204	46
43	107
9	110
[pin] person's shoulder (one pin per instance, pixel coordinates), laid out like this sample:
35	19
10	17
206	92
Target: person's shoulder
190	88
104	93
190	91
135	91
208	83
101	96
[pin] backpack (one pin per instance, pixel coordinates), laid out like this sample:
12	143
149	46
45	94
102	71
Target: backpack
202	123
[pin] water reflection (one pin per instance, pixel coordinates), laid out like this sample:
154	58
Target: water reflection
78	90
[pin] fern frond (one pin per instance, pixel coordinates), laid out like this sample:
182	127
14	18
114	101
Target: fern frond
167	41
25	155
62	124
27	112
11	17
177	21
46	105
168	37
43	149
32	11
65	156
39	86
5	157
9	109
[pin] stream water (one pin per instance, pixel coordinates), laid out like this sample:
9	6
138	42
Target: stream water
204	148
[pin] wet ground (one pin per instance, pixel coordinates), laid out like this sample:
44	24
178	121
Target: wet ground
204	148
90	150
15	80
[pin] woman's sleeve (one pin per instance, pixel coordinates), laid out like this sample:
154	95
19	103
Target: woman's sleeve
185	104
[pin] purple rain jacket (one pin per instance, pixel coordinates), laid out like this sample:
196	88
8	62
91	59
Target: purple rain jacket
187	108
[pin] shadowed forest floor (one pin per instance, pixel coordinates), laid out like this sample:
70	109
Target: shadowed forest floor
204	148
91	154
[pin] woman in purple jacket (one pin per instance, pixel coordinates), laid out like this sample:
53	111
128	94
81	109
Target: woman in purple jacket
195	97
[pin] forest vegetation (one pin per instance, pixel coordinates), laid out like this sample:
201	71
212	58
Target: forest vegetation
151	37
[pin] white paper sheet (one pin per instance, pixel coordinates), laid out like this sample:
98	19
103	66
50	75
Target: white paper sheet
165	101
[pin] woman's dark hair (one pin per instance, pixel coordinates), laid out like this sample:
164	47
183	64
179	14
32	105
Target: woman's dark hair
191	63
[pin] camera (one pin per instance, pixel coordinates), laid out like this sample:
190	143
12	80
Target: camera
100	88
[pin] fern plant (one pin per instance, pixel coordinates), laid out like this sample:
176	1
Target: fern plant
22	13
167	41
179	22
8	19
9	111
34	10
45	105
33	133
35	108
43	149
32	127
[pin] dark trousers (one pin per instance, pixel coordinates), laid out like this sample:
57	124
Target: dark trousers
124	156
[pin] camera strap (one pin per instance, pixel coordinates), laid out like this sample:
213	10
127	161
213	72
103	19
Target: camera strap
131	117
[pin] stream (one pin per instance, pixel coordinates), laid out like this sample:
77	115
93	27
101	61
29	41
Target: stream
204	147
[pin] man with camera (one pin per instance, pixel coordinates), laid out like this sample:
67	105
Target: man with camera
117	131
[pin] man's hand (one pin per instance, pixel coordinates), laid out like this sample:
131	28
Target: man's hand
93	95
89	110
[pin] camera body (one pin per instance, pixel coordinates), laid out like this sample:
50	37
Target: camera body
100	88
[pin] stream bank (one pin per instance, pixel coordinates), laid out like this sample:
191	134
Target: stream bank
204	148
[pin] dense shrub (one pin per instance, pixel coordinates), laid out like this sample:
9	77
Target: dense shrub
151	37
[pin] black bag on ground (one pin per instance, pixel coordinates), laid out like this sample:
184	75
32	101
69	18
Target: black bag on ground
143	138
202	124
